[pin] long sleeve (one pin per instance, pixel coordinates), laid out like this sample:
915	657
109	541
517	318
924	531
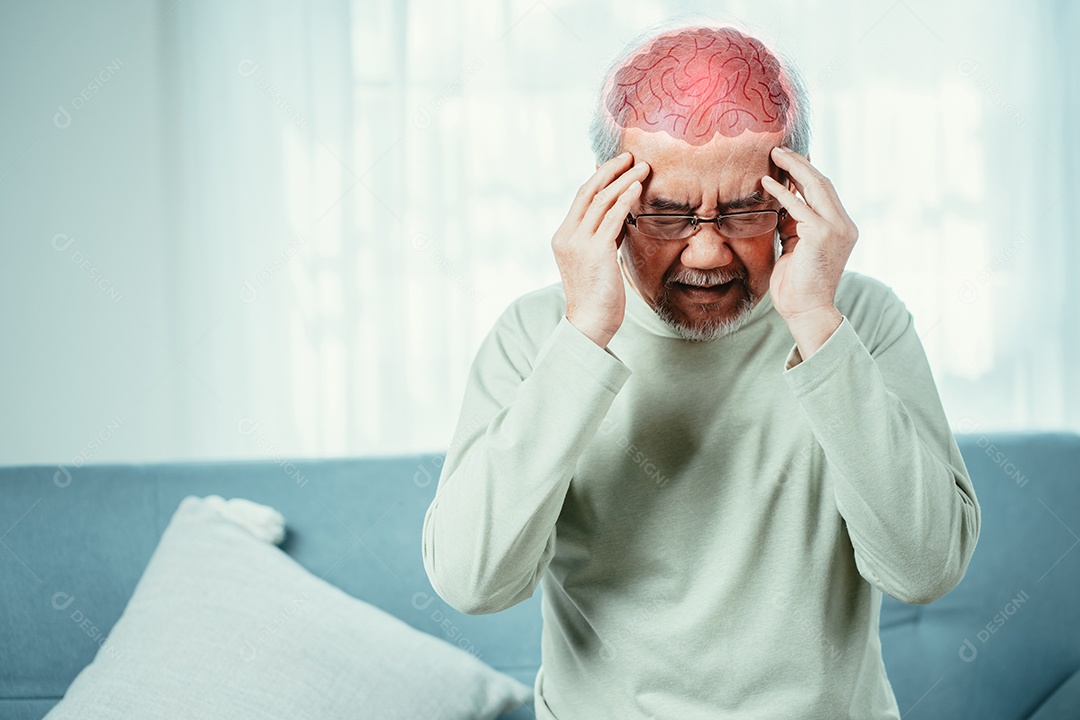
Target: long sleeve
489	533
898	477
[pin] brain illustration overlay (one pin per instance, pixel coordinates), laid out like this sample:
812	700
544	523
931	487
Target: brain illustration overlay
696	83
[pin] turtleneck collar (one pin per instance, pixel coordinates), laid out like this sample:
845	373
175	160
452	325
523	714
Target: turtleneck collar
643	314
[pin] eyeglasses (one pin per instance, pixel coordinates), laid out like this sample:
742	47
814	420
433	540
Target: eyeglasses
662	226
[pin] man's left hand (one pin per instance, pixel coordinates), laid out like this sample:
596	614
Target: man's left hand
816	240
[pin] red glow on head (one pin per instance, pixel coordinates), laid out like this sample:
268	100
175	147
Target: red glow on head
699	82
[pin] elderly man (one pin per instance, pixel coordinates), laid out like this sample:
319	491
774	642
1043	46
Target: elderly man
713	445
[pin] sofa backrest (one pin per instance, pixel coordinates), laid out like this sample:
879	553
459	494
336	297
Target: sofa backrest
997	645
1008	635
89	532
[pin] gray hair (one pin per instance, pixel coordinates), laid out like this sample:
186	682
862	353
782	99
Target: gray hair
606	136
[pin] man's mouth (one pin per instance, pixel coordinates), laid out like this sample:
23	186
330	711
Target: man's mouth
708	293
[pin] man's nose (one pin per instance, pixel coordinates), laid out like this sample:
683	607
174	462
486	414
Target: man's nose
707	249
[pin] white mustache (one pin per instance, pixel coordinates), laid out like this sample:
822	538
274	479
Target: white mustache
697	279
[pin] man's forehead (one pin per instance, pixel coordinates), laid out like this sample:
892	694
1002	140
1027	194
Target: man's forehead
726	171
662	150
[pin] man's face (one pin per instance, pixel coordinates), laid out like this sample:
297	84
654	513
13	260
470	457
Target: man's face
719	177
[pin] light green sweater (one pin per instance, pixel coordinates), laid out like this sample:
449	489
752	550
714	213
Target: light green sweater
713	523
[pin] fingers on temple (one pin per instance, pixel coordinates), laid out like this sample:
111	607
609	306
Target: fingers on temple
795	206
817	189
607	197
601	178
616	215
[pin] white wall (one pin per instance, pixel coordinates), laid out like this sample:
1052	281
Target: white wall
463	124
82	327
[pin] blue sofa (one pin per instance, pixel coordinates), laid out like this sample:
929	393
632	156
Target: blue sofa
1004	644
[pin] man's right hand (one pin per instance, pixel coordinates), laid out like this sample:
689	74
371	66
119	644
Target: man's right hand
586	247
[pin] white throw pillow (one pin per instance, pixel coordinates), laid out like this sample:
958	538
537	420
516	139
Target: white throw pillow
223	624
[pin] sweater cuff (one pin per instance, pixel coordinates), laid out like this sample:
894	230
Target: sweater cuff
569	346
804	375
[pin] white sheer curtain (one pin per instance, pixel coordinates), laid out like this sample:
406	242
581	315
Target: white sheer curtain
357	190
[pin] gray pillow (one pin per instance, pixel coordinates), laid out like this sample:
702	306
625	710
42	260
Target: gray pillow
224	624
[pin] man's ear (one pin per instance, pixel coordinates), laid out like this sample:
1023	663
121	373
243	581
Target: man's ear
597	167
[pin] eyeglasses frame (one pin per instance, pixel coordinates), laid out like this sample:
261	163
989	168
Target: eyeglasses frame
695	221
